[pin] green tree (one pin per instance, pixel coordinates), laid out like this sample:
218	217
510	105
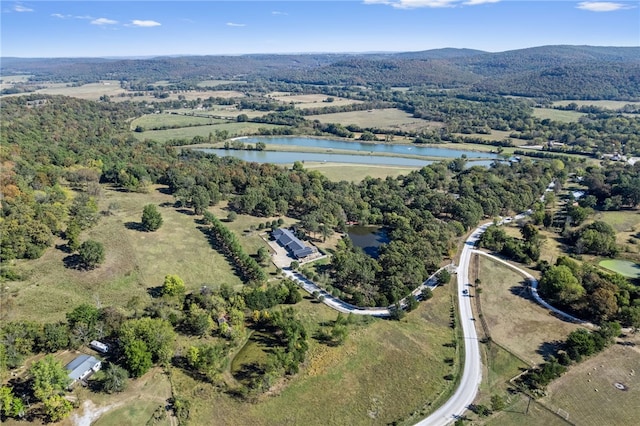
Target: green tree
137	357
559	284
497	403
443	277
10	405
151	218
114	379
173	286
91	254
263	255
200	199
57	408
232	216
49	378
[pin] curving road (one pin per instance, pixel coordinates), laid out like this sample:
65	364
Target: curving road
472	371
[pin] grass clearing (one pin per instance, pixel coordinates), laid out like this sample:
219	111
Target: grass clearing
602	104
387	118
214	83
514	319
384	371
317	100
626	223
90	91
588	394
135	261
557	115
151	121
495	135
357	172
234	129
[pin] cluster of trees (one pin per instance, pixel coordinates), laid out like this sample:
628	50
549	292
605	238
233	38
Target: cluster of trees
591	293
579	343
226	242
525	250
613	187
597	238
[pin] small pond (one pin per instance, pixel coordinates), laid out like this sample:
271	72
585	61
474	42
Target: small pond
368	238
623	267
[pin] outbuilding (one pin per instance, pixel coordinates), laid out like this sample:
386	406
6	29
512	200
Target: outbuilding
99	346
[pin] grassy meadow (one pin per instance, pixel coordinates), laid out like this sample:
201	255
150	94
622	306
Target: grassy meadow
600	103
587	392
234	129
384	371
311	100
151	121
136	261
387	118
514	319
357	172
557	115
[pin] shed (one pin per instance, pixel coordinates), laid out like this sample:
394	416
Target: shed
82	367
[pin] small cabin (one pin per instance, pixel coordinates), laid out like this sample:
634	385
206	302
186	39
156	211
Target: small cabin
82	367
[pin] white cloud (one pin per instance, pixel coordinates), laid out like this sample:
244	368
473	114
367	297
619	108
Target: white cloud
275	12
233	24
145	24
21	8
104	21
476	2
602	6
60	16
414	4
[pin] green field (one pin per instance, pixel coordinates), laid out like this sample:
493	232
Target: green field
91	91
135	261
234	129
587	392
388	118
214	83
602	104
317	100
357	172
383	372
151	121
626	223
622	267
557	115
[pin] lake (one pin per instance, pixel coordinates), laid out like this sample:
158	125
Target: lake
368	238
289	157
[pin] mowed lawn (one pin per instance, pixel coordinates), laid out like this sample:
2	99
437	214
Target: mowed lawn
135	261
588	394
383	372
387	118
514	319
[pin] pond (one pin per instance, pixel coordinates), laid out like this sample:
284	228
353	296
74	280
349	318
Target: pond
372	154
368	238
623	267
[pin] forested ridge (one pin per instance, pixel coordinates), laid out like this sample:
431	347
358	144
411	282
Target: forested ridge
558	72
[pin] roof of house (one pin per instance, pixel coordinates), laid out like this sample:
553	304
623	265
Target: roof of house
80	365
286	239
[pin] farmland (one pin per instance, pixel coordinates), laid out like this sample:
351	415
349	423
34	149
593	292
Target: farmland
557	115
387	118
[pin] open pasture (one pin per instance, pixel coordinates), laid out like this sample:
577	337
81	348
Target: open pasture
557	115
357	172
214	83
387	118
154	121
312	100
514	319
90	91
135	261
600	103
336	385
626	223
234	129
227	111
602	390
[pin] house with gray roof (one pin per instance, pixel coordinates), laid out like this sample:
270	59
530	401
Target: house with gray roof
294	246
82	367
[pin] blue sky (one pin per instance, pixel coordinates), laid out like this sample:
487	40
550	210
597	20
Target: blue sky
151	28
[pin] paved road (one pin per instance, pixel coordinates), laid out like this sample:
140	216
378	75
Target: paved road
472	371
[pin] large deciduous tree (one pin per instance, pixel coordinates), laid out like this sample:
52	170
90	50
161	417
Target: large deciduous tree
151	218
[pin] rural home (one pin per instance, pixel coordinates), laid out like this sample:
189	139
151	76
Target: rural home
294	246
82	367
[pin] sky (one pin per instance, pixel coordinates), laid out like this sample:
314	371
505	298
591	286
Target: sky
215	27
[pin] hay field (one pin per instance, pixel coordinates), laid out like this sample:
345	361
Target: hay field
150	121
312	100
214	83
515	320
588	394
387	118
557	115
91	91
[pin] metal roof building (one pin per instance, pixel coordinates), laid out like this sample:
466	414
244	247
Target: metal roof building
82	367
286	239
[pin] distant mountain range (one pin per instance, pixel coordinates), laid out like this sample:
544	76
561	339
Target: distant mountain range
570	72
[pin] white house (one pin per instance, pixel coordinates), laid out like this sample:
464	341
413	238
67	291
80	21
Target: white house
82	367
